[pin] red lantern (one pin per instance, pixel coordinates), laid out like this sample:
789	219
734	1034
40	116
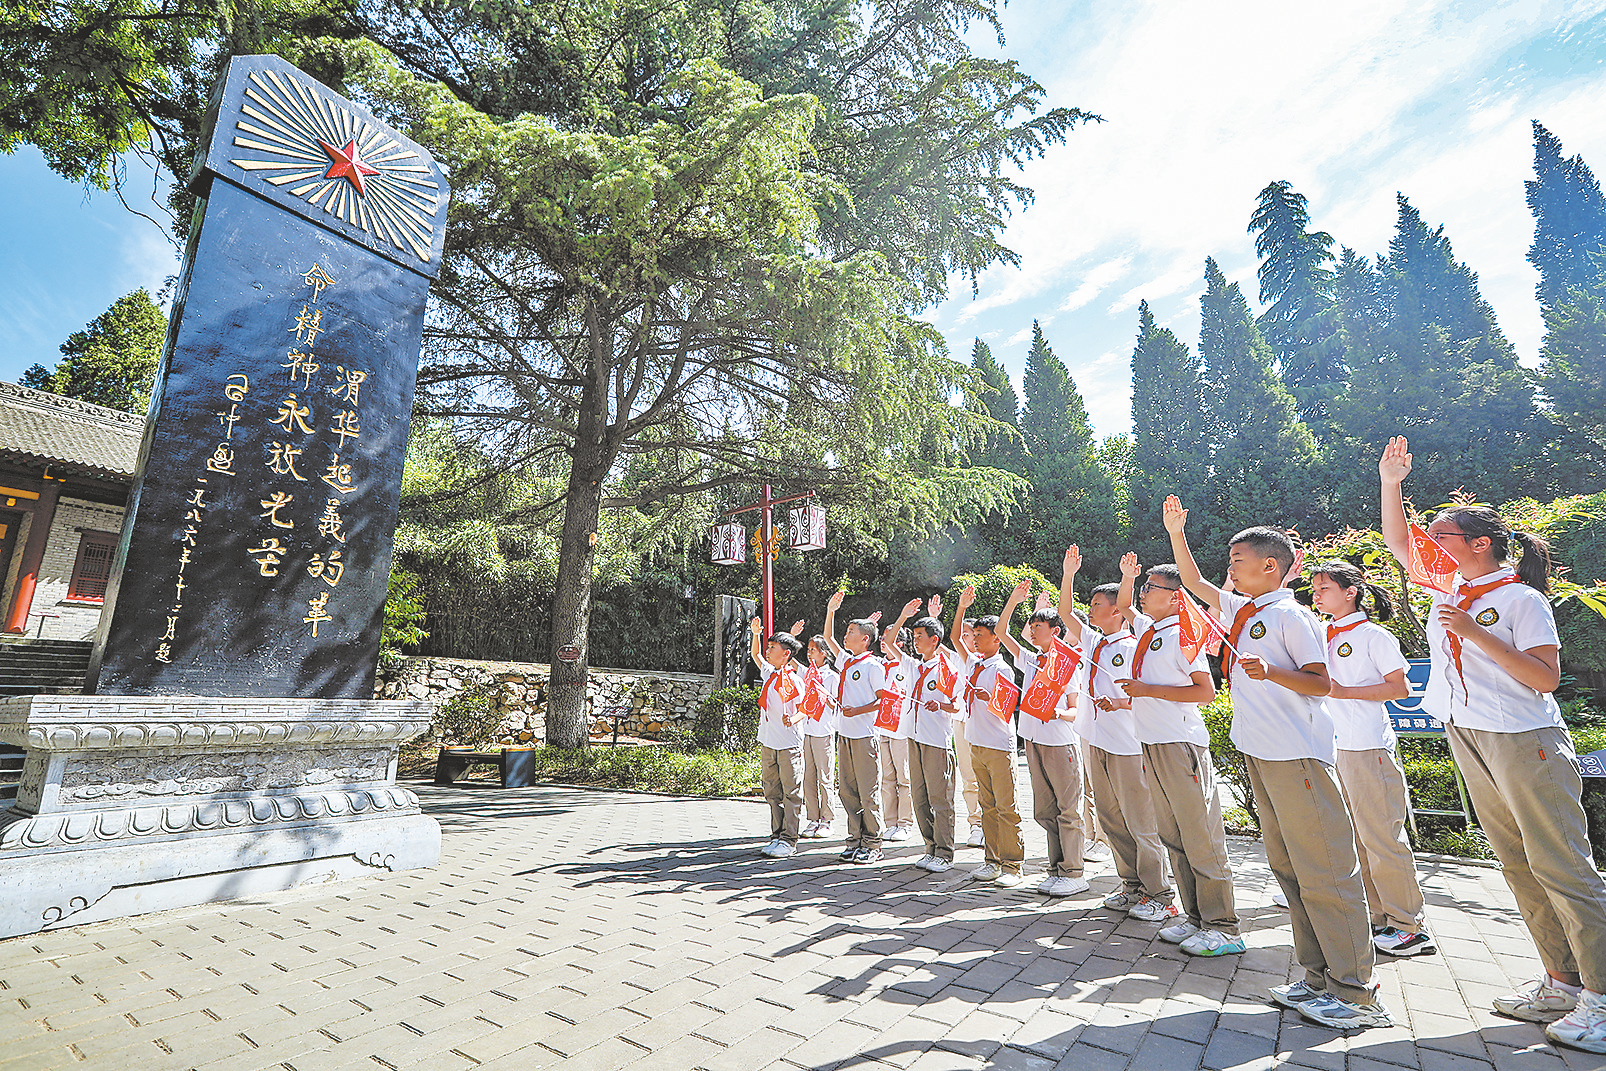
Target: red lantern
806	527
730	544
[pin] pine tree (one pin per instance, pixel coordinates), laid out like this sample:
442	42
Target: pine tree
1169	451
1296	281
1263	462
1573	377
1045	419
112	361
1569	220
1002	450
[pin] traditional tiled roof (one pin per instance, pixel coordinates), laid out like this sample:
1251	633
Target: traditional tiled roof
36	426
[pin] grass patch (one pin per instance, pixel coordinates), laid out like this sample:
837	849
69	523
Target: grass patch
653	769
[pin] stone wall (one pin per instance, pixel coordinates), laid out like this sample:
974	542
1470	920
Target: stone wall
74	620
645	702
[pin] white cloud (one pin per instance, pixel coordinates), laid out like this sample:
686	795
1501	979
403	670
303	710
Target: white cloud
1095	281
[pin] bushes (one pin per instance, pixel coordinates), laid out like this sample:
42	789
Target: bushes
653	769
727	721
473	717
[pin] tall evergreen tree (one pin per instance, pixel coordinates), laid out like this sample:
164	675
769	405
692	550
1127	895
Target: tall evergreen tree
1170	454
1003	449
1296	281
1569	220
112	361
1072	493
1263	461
1573	377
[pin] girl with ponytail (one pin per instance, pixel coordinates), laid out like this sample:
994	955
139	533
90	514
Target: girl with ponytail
1367	670
1496	661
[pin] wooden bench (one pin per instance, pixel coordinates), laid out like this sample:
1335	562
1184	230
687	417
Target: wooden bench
516	765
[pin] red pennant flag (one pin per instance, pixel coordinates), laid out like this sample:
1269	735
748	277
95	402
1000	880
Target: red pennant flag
1006	694
1050	681
947	679
813	705
788	687
891	705
1196	628
1429	564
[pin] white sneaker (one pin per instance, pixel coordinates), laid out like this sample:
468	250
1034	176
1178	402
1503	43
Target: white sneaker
1148	909
1584	1027
1009	879
1047	884
977	839
1069	886
924	862
896	833
1122	900
986	872
1213	943
1096	851
769	849
939	865
782	850
1537	1001
1329	1010
1279	899
1179	933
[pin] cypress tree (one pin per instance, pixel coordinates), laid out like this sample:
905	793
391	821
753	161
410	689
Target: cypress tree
1296	281
1045	419
1263	461
1169	452
1569	220
1003	450
1573	377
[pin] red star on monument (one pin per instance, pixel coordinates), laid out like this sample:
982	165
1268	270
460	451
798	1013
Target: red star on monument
346	164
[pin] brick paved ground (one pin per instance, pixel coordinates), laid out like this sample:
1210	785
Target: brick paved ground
593	930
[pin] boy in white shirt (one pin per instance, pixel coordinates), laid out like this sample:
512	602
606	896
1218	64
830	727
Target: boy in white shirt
969	789
897	801
819	738
1275	657
780	737
990	731
1114	768
858	768
933	701
1164	690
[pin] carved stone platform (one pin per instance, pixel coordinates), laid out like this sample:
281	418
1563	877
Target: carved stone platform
131	804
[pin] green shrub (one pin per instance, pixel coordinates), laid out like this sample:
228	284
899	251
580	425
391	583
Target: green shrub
473	717
727	721
1228	760
653	769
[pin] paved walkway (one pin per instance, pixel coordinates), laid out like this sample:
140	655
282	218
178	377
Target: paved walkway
591	930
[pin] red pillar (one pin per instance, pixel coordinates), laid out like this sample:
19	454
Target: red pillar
33	555
767	553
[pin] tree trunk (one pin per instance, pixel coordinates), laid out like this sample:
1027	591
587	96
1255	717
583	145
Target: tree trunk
567	724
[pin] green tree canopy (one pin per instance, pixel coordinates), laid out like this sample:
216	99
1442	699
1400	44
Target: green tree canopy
1569	220
1170	450
112	361
1296	281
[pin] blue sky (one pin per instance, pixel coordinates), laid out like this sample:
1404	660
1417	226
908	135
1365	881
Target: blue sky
1205	103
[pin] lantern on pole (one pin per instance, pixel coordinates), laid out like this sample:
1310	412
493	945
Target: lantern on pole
806	527
730	544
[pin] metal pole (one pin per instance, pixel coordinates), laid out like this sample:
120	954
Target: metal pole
768	557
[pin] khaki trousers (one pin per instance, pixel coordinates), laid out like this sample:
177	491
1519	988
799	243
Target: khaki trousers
1310	846
897	805
1526	791
1126	817
1187	815
1000	821
967	776
858	781
1374	791
1056	771
931	783
782	777
1091	827
817	778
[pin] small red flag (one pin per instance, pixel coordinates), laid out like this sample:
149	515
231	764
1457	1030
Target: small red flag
947	679
813	705
787	689
1049	682
891	705
1005	696
1429	564
1196	628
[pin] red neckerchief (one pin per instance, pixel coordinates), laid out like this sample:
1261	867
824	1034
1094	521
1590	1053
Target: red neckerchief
1335	631
842	681
1093	667
970	685
1239	620
1143	649
1465	597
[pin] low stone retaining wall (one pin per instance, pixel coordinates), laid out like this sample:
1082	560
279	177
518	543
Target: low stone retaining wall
645	702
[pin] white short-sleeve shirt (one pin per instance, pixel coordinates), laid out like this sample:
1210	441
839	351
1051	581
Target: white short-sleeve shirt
1062	730
933	727
1165	721
1269	721
982	727
773	732
1108	660
1362	654
826	726
1491	699
861	677
900	672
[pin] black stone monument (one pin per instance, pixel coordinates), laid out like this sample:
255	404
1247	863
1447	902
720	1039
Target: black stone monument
256	551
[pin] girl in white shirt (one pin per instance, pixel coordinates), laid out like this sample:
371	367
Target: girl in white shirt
1367	670
1496	661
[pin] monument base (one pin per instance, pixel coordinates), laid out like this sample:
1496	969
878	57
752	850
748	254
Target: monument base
129	804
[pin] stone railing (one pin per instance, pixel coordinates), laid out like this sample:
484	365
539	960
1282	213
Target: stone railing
645	702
